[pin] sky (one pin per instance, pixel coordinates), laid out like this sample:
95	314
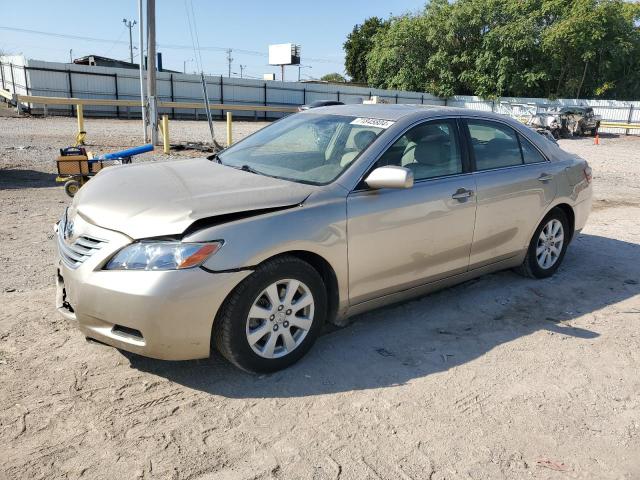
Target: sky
250	25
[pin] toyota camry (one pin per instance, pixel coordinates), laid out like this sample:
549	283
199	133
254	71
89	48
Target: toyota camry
321	215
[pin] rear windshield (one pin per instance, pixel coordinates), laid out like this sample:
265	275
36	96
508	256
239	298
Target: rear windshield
306	147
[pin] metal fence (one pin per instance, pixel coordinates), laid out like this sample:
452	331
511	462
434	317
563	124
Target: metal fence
36	77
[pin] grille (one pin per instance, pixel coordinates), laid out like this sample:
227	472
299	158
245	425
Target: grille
74	254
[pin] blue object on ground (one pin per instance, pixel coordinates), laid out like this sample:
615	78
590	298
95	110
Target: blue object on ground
130	152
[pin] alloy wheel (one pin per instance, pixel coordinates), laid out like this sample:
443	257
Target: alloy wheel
280	318
549	245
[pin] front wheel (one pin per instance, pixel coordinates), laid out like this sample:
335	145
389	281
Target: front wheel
547	247
273	317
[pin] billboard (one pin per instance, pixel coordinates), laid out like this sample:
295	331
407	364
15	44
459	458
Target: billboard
284	54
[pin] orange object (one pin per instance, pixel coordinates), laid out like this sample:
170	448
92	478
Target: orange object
596	140
200	256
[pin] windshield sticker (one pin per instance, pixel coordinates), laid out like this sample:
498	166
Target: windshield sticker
372	122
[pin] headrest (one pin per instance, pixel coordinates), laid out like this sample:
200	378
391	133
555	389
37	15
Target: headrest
363	139
430	152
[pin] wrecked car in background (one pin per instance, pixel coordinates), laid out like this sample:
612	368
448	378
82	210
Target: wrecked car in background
567	121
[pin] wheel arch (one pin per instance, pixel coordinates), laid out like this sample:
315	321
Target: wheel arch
566	208
570	214
328	274
322	266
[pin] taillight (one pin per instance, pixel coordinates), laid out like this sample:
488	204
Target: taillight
587	174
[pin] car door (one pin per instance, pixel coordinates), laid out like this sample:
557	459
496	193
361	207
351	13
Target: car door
515	182
399	238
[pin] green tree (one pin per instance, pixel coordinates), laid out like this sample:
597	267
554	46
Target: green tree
396	60
593	46
333	77
492	48
358	45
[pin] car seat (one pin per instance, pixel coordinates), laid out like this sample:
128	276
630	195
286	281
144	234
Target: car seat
361	141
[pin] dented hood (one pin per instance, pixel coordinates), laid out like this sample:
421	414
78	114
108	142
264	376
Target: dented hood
157	199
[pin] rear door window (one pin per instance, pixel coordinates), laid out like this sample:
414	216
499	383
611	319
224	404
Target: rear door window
529	152
494	145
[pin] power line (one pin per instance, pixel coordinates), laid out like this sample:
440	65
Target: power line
169	46
196	57
114	44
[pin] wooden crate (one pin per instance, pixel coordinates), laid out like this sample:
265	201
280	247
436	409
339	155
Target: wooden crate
77	165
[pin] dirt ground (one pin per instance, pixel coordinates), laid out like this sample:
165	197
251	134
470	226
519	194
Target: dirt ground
500	377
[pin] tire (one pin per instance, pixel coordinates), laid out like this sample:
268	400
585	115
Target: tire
71	187
532	266
234	327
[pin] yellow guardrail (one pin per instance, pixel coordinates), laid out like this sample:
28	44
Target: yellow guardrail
620	125
136	103
77	101
6	94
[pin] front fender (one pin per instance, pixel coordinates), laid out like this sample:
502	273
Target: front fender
319	228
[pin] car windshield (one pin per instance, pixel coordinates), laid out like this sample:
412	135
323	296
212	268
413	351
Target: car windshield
307	147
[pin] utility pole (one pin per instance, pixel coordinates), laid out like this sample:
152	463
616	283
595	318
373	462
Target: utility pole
143	104
71	55
129	24
151	68
229	60
242	67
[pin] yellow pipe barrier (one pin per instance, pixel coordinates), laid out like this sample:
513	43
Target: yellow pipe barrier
165	134
80	113
81	131
229	129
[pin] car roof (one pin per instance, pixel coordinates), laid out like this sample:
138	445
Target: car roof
395	112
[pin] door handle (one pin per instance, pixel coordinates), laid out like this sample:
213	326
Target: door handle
462	194
545	177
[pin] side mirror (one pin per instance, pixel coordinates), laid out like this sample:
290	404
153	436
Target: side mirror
390	177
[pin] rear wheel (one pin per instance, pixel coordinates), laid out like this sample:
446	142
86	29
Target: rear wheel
273	317
547	247
71	187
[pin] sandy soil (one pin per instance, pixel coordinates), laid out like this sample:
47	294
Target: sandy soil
501	377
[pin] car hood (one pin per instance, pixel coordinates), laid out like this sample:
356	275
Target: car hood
165	198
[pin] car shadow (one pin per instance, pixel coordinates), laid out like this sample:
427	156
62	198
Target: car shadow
12	179
393	345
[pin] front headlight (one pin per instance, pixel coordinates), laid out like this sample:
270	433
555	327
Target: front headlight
158	255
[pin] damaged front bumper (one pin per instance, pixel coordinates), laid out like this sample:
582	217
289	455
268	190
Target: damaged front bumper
160	314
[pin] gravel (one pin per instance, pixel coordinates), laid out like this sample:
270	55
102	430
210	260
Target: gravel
500	377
